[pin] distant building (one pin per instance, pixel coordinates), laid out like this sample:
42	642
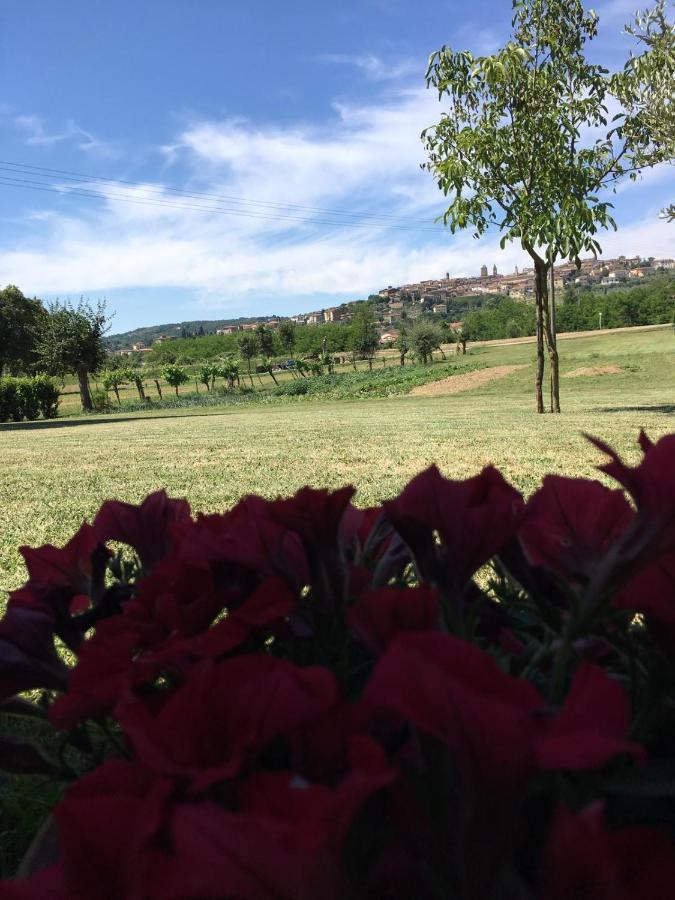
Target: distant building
483	271
494	271
139	345
333	314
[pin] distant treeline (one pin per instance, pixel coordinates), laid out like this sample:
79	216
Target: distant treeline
651	304
307	340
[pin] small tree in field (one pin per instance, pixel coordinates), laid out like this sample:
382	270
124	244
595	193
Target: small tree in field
425	337
113	379
403	347
364	339
287	336
135	376
71	341
516	148
248	350
175	376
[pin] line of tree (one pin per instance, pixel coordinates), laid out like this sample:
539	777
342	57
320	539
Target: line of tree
651	304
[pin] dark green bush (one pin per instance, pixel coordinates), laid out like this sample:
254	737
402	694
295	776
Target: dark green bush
28	406
27	398
47	395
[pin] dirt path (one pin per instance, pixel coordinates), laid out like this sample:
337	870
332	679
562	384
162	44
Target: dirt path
455	384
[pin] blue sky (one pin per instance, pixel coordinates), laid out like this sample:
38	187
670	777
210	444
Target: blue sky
296	108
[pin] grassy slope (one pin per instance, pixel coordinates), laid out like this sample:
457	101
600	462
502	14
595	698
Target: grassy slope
54	475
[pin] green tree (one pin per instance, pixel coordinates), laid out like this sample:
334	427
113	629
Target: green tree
645	86
510	153
135	376
425	337
265	340
287	336
71	342
20	322
113	379
403	346
364	337
267	363
248	349
175	376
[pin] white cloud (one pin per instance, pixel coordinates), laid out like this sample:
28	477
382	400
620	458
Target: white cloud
36	133
367	157
374	67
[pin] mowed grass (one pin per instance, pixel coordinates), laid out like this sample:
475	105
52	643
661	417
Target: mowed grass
54	475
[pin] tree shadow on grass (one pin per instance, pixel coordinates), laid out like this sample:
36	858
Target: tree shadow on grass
44	424
663	409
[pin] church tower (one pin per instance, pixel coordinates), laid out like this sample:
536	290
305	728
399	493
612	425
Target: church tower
494	271
483	271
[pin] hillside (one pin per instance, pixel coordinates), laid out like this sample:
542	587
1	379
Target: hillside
148	333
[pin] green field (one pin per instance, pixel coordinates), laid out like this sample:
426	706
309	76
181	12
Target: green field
54	474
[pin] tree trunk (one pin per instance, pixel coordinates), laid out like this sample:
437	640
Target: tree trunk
176	387
542	270
159	390
85	392
402	359
370	363
273	378
538	299
463	348
553	350
140	389
117	394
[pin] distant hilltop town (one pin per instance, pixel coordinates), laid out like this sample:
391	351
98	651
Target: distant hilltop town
391	304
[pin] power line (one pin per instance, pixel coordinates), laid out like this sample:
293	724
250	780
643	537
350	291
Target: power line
63	174
99	195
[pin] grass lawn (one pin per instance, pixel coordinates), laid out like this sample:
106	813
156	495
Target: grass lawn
54	474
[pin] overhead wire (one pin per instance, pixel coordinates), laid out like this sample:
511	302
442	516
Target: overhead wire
268	210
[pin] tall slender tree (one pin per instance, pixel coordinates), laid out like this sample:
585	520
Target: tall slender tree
526	146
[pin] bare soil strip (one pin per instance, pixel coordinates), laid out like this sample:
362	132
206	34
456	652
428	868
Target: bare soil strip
456	384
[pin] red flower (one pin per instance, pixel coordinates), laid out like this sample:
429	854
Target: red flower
652	486
102	675
450	689
314	515
146	527
244	545
28	658
382	614
225	713
591	727
582	859
570	523
268	605
474	519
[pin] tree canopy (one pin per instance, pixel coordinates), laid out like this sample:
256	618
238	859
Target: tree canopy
71	341
20	321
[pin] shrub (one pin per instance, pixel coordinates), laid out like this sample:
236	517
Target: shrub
47	395
26	398
28	406
456	694
100	400
9	404
291	389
